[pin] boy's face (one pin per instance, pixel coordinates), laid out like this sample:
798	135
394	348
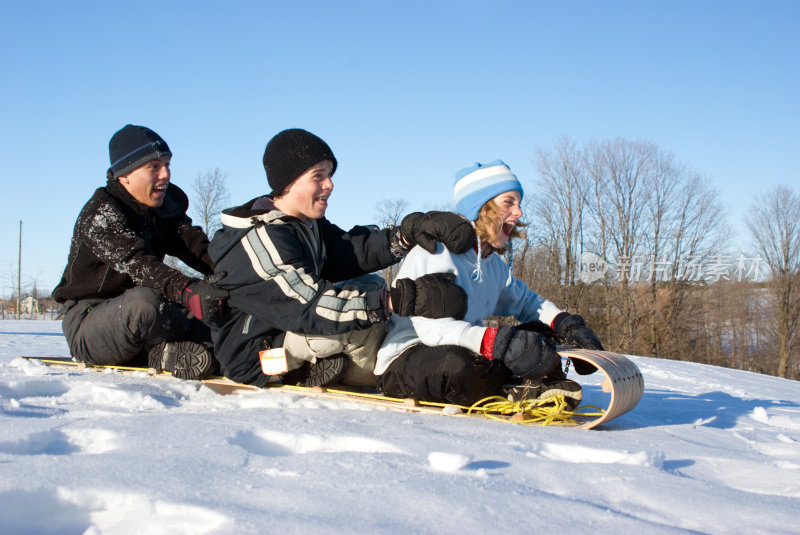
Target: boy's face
307	196
148	184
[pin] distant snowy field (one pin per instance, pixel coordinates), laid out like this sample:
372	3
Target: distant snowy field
708	450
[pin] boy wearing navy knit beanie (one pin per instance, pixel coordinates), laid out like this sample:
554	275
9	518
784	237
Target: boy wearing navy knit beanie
123	304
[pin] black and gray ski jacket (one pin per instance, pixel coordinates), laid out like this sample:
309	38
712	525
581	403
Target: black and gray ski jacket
116	247
281	273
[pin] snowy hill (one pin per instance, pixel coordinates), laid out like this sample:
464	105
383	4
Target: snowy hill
707	450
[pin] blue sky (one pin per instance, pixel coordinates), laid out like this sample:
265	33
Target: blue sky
405	93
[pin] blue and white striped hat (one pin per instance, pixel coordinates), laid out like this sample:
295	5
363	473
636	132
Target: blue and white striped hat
481	183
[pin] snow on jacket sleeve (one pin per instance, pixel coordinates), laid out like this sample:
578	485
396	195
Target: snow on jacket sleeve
111	239
274	276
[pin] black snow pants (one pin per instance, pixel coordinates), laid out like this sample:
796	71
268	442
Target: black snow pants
444	374
118	330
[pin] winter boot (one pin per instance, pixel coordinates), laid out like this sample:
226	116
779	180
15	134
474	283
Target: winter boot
545	388
184	360
324	371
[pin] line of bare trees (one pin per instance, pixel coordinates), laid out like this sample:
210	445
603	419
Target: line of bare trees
655	231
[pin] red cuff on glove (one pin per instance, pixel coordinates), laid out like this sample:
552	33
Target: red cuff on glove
487	343
560	316
191	300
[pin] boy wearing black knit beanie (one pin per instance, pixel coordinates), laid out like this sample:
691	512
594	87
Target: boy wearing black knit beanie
303	305
122	302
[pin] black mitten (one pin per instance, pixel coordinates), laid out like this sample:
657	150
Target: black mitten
453	230
572	330
525	353
432	296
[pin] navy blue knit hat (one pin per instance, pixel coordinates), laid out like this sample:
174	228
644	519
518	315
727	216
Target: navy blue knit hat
133	146
290	153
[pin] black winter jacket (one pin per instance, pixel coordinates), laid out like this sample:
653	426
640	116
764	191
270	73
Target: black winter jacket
116	247
281	274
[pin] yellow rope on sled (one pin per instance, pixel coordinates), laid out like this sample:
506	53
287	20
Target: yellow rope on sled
549	411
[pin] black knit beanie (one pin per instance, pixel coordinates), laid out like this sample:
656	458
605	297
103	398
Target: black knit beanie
132	147
290	153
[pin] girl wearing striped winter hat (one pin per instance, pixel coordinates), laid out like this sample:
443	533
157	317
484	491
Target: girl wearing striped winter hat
462	361
498	221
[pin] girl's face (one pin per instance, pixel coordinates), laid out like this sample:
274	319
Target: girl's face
509	213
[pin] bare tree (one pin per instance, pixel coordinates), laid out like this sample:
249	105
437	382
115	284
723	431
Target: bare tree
532	259
687	229
622	173
33	284
390	213
632	205
774	223
562	194
211	196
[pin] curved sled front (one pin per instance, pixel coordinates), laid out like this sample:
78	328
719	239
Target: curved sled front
622	379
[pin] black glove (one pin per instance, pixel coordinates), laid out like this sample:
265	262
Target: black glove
525	353
453	230
572	330
432	296
207	301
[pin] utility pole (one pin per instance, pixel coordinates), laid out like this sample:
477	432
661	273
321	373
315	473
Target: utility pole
19	273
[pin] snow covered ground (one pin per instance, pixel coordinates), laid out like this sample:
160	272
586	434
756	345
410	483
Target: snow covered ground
708	450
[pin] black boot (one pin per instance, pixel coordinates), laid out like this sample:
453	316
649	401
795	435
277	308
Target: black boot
325	371
547	387
184	360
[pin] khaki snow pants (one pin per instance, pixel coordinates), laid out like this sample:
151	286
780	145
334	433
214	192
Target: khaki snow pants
361	346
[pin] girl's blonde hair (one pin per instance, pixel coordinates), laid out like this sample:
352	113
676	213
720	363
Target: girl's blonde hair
487	230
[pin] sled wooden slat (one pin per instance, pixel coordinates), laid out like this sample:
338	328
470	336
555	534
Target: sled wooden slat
623	381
